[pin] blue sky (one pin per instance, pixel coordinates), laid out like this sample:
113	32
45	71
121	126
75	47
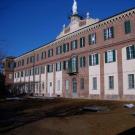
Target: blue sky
27	24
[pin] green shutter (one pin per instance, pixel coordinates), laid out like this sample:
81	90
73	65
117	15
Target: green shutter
48	68
77	64
80	42
127	27
64	65
112	31
114	56
76	44
128	55
97	60
71	45
60	66
67	47
83	41
90	60
105	57
60	49
84	61
89	37
134	51
80	61
64	48
104	34
56	66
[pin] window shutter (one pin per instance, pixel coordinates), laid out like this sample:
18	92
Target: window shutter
133	47
127	27
77	64
112	31
52	67
60	66
97	60
105	57
60	49
95	39
56	66
71	45
52	52
114	56
84	42
67	47
89	37
80	61
64	48
105	34
84	61
64	65
90	60
80	42
47	68
76	44
128	55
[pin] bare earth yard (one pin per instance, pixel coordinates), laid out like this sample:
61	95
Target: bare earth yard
65	117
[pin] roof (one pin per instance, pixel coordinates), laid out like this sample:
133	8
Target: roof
74	32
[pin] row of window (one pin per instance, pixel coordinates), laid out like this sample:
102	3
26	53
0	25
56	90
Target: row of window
72	64
111	84
108	34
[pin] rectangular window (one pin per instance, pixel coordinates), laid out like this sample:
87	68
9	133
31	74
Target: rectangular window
28	60
108	33
58	66
82	61
110	56
127	25
74	44
42	69
50	68
92	39
94	83
111	82
50	53
130	52
82	83
22	62
15	75
32	59
131	81
82	42
37	57
21	73
65	65
67	85
93	60
59	50
66	47
43	55
18	74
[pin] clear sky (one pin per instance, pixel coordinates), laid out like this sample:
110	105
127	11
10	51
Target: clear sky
28	24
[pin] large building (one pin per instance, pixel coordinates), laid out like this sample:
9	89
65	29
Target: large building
90	58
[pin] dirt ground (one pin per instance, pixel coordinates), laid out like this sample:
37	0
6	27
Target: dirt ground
65	117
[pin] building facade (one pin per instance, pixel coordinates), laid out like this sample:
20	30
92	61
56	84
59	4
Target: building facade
89	59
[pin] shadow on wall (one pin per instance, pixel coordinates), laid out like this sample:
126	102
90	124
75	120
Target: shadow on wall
128	132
